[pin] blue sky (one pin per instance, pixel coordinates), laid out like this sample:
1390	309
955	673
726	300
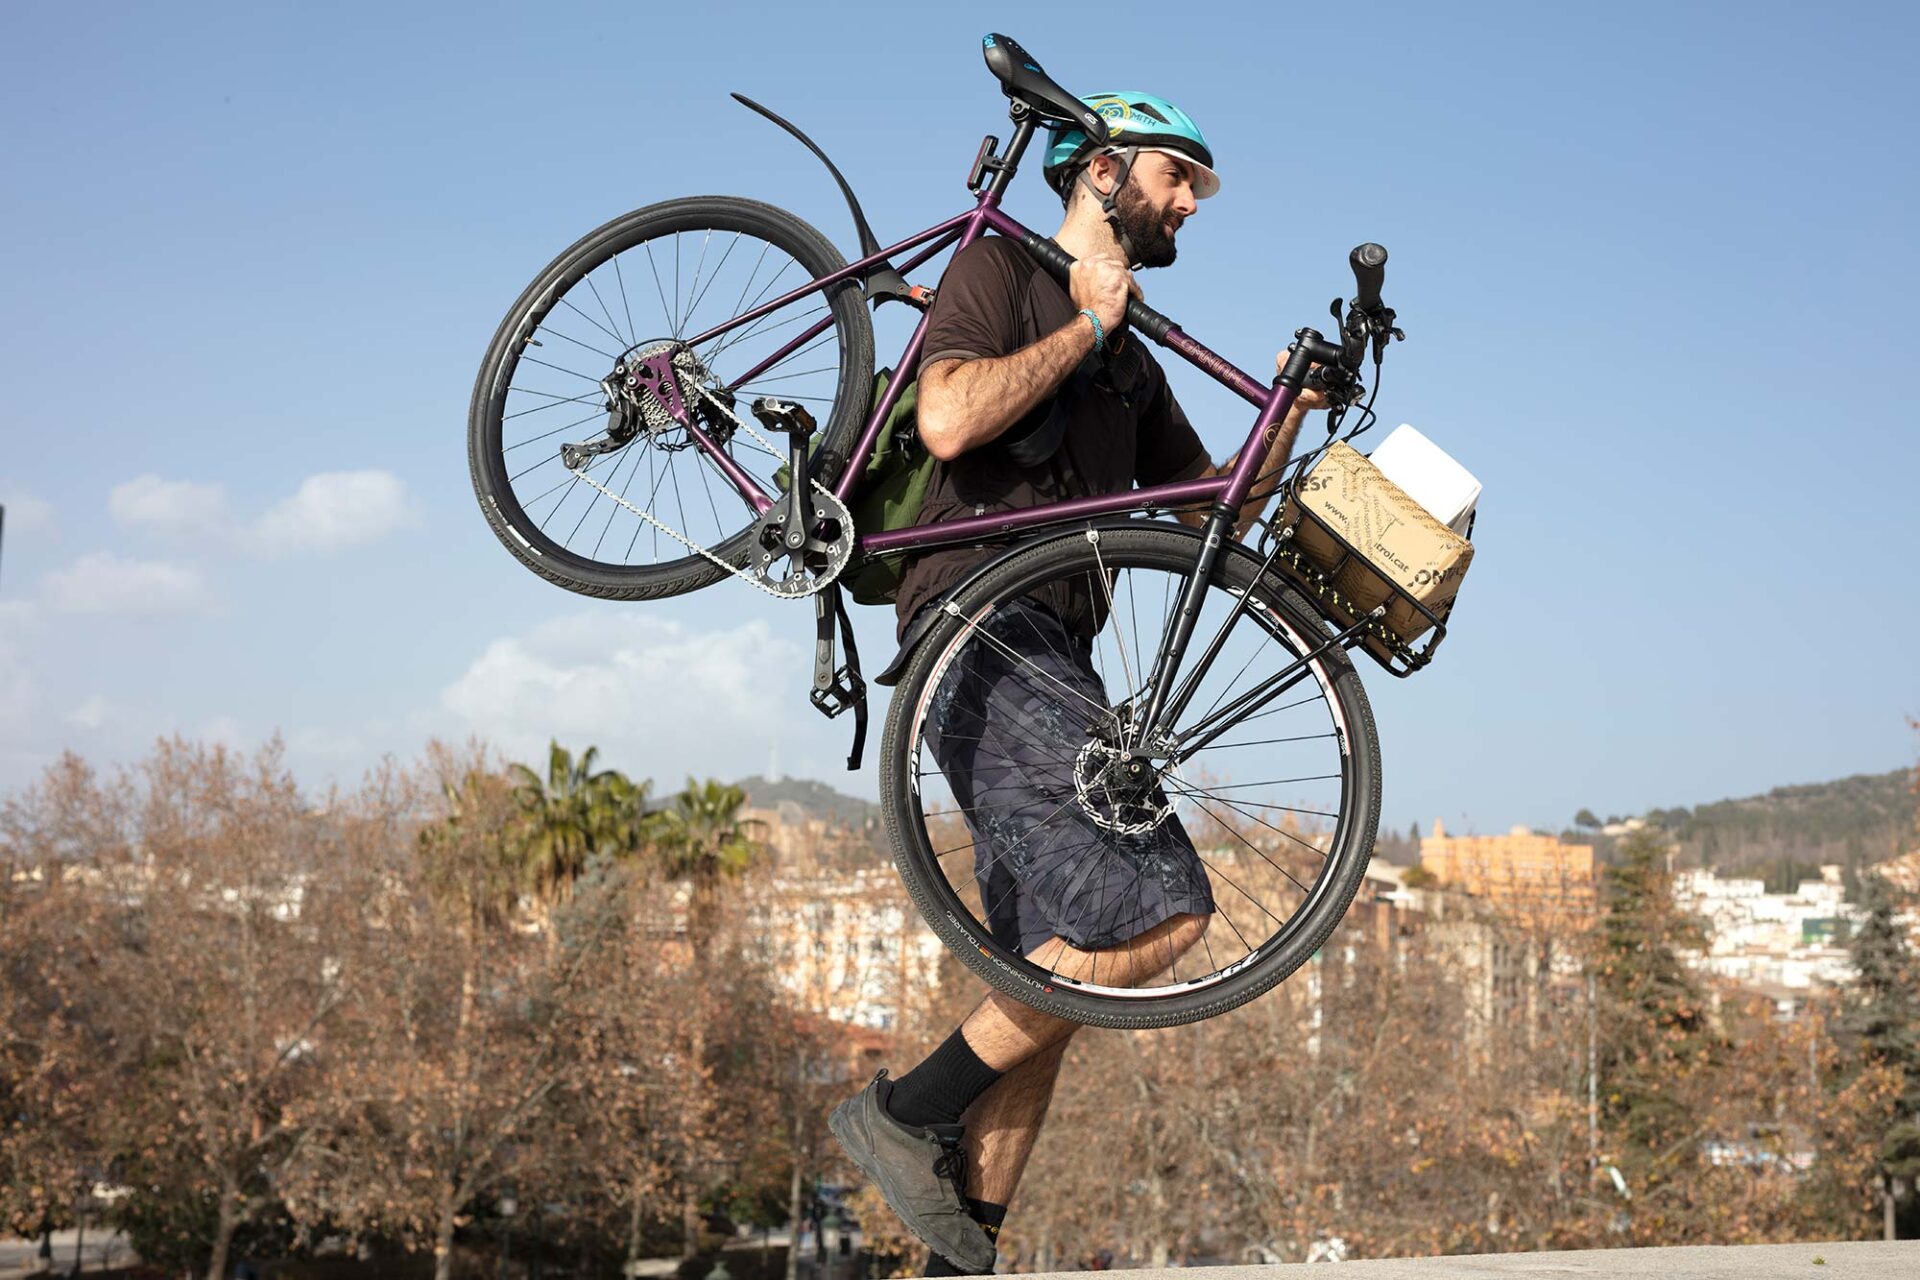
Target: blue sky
1654	263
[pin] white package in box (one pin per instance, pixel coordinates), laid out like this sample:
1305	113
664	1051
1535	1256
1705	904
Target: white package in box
1426	474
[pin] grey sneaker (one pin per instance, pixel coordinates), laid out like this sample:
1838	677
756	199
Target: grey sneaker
921	1173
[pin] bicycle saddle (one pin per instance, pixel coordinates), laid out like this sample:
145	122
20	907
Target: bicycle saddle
1025	82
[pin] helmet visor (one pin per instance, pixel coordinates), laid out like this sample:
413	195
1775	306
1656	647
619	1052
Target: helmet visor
1205	181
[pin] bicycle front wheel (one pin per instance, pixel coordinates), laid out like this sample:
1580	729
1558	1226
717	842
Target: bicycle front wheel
1021	802
593	500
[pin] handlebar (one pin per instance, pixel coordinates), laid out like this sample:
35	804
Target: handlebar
1059	263
1367	320
1369	263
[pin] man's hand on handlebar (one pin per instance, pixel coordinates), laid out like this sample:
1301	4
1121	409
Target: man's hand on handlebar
1103	283
1311	396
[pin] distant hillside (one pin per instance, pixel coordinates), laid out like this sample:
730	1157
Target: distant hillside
817	798
1789	831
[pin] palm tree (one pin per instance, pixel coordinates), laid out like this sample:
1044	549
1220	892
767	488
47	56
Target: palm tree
572	814
703	841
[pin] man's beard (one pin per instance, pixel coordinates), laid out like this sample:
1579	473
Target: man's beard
1145	227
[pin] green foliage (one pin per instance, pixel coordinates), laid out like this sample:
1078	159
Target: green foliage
1854	821
1418	877
702	838
466	867
571	815
1883	1013
1585	819
1656	1027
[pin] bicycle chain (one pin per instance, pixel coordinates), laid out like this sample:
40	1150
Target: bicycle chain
842	547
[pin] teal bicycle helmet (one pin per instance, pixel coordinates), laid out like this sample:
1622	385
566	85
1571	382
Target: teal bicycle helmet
1135	122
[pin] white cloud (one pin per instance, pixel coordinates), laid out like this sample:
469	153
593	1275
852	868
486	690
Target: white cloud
335	509
103	583
91	714
659	699
26	513
178	508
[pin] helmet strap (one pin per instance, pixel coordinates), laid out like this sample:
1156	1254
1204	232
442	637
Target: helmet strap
1110	199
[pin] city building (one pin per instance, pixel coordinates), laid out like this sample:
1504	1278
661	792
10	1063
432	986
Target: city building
1541	878
848	945
1770	942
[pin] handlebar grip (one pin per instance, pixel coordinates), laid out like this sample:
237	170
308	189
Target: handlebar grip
1058	263
1369	263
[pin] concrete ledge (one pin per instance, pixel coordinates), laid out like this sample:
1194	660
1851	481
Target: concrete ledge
1853	1261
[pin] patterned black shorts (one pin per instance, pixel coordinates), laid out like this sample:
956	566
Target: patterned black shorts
1008	725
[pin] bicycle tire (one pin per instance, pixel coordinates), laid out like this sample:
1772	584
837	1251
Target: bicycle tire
492	479
1168	548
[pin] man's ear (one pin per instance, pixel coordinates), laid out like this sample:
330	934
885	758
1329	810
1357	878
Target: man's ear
1101	169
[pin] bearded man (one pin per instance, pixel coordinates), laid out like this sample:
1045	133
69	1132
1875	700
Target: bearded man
1032	393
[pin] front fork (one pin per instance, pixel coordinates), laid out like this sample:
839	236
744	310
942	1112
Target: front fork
1162	709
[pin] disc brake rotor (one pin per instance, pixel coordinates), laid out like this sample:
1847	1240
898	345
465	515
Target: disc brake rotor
1119	790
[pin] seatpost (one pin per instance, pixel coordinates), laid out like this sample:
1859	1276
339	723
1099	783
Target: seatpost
1004	166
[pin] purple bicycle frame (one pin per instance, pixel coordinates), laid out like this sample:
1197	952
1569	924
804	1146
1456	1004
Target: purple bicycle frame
1230	490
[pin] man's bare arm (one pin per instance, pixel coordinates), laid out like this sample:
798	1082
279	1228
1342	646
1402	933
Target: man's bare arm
966	403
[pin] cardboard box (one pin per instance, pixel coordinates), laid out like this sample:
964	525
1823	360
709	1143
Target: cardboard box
1386	545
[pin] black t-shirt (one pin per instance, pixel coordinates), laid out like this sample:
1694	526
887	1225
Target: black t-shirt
1122	429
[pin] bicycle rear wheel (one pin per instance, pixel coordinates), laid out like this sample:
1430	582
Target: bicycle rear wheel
651	281
1010	806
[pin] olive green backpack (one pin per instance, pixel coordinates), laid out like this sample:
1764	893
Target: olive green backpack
889	495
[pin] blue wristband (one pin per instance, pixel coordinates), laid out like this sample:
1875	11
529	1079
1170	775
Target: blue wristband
1099	330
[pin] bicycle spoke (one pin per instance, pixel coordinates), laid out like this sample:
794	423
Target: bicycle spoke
1269	742
1106	587
716	274
554	402
610	328
592	417
694	288
666	312
571	373
626	307
545	326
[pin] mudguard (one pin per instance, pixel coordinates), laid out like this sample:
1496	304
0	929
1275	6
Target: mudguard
882	281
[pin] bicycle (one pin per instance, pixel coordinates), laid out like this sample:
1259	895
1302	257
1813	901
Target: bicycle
1272	689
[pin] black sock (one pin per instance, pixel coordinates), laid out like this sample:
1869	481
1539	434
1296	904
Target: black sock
989	1216
939	1089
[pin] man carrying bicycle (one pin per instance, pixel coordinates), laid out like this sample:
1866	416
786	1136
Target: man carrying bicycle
1030	393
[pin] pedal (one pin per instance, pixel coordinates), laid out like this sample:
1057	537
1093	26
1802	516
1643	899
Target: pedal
776	414
843	691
